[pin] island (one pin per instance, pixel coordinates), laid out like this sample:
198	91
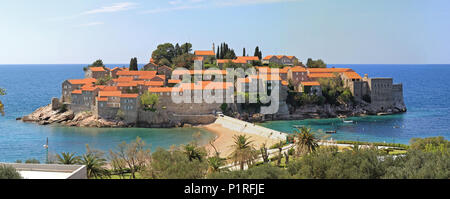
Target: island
208	83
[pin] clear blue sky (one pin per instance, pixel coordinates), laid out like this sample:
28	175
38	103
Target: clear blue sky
338	31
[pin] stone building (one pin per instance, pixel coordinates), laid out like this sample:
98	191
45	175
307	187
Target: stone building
113	72
281	60
166	71
69	86
205	54
310	87
297	74
96	72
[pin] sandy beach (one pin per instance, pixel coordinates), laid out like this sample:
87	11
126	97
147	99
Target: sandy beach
224	139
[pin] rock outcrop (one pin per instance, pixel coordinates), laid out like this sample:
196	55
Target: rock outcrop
47	115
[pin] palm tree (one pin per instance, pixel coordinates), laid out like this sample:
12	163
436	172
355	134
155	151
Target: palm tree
94	163
68	158
244	152
193	152
306	142
215	163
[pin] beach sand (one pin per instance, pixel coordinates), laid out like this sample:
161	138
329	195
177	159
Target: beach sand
224	140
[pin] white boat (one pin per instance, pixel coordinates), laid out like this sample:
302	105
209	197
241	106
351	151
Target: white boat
347	121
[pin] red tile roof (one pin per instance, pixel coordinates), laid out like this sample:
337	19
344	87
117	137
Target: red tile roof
174	81
123	79
136	73
321	75
127	84
352	75
89	88
312	83
278	57
147	77
328	70
152	83
77	92
97	69
204	52
82	81
129	95
160	89
109	93
297	69
248	58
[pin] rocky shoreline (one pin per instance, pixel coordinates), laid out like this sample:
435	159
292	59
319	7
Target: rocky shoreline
49	114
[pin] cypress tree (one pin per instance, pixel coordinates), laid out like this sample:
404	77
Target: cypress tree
243	53
133	64
257	52
222	53
218	53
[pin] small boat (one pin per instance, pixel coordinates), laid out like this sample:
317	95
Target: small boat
347	121
330	132
384	113
297	126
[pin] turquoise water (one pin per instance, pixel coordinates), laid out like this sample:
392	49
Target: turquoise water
32	86
426	91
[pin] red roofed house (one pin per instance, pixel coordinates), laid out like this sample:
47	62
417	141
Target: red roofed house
113	72
297	74
96	72
247	59
205	53
135	74
74	84
166	71
353	81
129	106
310	87
281	60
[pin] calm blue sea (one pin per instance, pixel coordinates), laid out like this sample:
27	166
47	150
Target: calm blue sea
32	86
29	87
426	91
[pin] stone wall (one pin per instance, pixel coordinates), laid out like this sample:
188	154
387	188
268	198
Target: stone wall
129	107
397	93
107	112
163	118
77	108
381	92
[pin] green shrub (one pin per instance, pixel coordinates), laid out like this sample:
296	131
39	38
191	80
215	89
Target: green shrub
32	161
8	172
264	171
